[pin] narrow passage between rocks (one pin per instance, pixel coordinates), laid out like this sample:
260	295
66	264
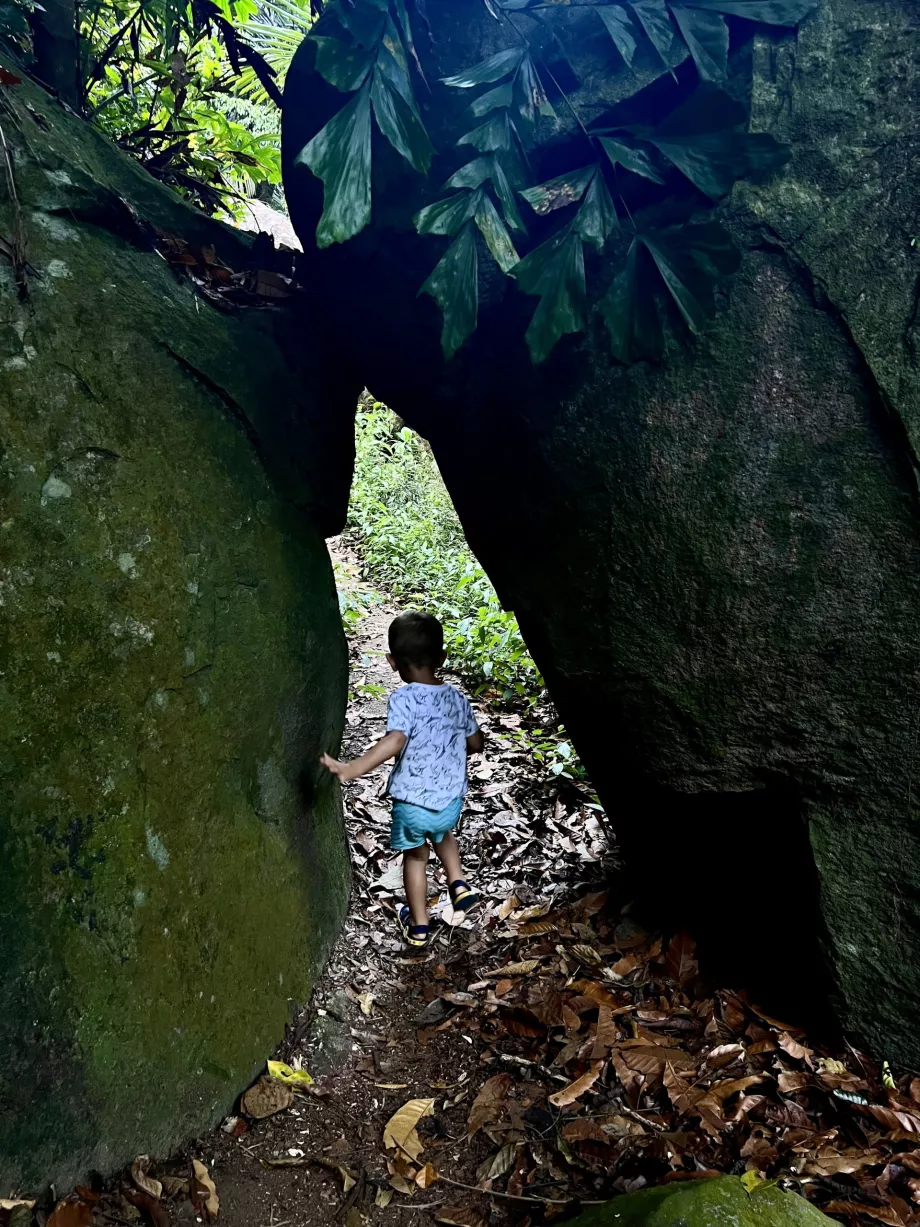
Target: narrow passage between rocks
543	1054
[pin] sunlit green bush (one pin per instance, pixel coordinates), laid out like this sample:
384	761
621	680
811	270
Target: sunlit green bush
413	546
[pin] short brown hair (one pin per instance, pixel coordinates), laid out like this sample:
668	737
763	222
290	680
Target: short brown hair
417	639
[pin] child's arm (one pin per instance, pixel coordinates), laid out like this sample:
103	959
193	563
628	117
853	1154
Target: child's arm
387	747
475	742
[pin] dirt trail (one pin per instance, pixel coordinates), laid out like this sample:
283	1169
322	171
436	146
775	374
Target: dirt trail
524	834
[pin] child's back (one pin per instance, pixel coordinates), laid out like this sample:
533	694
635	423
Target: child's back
436	720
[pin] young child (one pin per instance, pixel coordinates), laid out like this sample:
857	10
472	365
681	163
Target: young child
430	731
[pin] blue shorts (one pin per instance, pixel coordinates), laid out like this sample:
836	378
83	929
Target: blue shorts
413	824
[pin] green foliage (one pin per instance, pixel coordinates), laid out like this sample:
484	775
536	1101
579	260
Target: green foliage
191	89
704	139
413	545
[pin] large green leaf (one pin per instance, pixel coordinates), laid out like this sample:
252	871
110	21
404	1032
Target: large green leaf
704	140
501	96
454	285
632	159
406	27
340	155
531	94
496	236
706	35
597	218
773	12
616	19
342	65
493	136
399	124
633	330
447	216
364	22
479	171
561	191
555	271
492	69
653	14
690	260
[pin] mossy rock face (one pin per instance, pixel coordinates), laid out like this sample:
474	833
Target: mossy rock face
705	1203
173	861
714	559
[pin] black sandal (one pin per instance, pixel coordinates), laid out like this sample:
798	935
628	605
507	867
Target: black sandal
416	936
462	895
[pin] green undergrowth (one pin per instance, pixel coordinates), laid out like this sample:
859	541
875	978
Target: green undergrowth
412	545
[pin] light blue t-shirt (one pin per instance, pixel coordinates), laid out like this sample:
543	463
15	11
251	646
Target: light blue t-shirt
431	771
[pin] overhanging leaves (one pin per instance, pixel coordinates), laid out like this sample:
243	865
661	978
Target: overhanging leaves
479	171
705	140
342	65
454	285
492	69
706	35
635	160
619	27
690	260
555	271
340	155
399	123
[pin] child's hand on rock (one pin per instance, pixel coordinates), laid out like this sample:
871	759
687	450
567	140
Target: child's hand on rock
342	770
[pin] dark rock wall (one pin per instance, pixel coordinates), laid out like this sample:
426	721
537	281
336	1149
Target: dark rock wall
715	560
172	860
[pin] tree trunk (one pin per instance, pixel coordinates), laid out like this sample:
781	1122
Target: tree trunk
714	559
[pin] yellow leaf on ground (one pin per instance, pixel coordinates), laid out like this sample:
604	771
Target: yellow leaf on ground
751	1179
139	1170
400	1128
383	1198
290	1077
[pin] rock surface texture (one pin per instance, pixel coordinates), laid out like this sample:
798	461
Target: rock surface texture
700	1203
173	862
715	559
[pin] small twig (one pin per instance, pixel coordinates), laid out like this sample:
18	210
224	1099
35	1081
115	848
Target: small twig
636	1116
540	1201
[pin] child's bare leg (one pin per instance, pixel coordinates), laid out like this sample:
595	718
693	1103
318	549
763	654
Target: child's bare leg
449	855
415	880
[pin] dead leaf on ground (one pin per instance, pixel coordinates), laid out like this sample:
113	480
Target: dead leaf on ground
883	1214
525	968
400	1131
426	1176
265	1098
498	1164
461	1216
139	1174
71	1212
203	1191
569	1094
487	1107
680	961
794	1048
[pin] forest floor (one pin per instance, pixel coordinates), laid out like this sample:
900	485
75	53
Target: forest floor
545	1053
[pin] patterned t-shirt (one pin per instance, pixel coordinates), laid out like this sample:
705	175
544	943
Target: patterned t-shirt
431	771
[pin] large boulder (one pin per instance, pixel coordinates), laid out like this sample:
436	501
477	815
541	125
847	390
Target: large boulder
714	559
173	862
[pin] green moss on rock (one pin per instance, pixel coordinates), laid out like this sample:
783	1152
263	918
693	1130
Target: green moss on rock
174	866
705	1203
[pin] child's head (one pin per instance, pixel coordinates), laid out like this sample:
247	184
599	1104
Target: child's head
416	643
